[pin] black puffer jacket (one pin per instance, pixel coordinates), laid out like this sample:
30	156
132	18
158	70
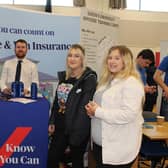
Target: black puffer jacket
75	122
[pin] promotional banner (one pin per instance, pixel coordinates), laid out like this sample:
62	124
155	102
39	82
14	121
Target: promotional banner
99	31
49	37
24	134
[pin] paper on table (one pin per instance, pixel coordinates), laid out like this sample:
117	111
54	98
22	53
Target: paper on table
22	100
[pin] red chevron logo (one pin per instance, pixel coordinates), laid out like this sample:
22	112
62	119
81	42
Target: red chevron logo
16	138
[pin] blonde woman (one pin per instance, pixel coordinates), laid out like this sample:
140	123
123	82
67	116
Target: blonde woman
116	111
69	122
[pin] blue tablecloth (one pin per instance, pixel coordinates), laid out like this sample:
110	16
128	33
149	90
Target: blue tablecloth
24	134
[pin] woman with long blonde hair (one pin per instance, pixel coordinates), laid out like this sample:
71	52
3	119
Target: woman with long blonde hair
69	123
116	111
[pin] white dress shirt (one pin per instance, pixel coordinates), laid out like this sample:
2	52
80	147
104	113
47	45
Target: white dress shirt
120	113
29	73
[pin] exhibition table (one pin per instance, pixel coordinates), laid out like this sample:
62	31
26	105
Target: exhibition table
24	134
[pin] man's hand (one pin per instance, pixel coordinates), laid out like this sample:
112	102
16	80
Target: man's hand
26	91
150	89
165	92
7	91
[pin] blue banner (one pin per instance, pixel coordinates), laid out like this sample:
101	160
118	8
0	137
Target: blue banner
24	134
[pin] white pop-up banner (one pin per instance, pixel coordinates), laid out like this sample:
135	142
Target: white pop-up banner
98	32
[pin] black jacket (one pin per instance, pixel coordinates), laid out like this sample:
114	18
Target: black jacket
75	122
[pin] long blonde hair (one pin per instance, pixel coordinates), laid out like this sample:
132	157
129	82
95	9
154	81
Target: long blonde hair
68	69
128	70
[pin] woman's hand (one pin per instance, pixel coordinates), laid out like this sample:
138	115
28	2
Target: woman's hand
51	129
91	108
62	106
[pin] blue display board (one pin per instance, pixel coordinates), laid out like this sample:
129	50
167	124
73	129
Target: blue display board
24	134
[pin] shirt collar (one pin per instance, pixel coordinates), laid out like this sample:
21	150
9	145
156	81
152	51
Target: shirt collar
23	60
